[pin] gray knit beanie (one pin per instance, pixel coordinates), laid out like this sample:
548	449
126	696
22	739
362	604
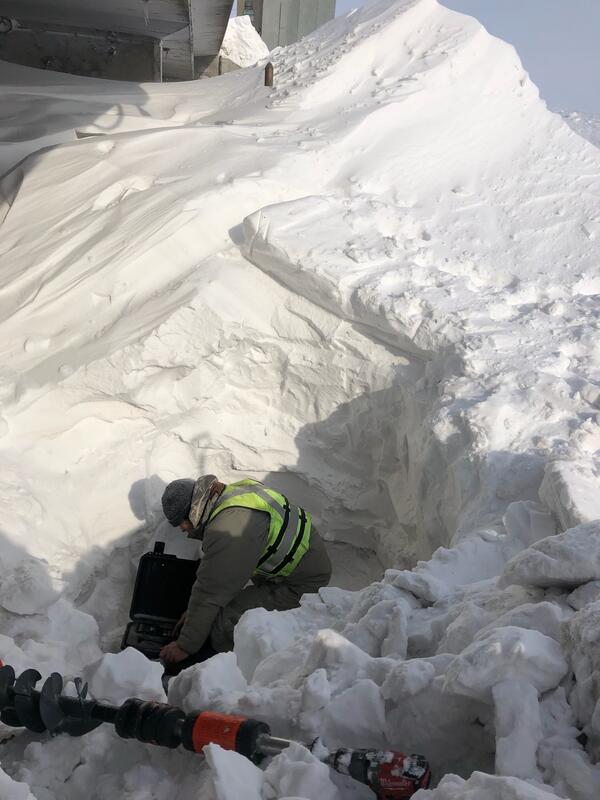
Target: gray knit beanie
177	499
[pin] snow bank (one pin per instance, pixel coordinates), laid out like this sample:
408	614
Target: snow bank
374	286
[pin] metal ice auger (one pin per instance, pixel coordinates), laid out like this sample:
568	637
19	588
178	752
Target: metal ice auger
391	775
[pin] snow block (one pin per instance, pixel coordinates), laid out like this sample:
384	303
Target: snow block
343	661
547	618
355	716
117	676
518	729
479	608
214	684
408	679
507	653
580	637
481	556
233	776
571	490
528	522
567	560
584	595
297	774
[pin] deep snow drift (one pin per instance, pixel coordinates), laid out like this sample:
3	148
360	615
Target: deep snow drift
376	286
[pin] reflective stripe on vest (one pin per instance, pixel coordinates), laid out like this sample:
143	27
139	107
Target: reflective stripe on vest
289	525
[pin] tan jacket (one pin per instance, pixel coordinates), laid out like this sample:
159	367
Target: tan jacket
233	544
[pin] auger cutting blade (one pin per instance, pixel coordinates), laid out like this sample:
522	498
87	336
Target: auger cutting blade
81	688
59	721
50	711
7	681
8	715
26	705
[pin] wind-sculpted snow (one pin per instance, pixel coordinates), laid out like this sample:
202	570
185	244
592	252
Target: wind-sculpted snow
376	287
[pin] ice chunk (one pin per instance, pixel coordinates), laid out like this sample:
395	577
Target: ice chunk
584	595
480	609
545	617
566	560
258	634
565	763
408	678
233	776
214	684
571	489
385	621
518	729
581	636
355	716
316	695
504	654
343	661
297	774
528	522
481	556
395	644
261	633
118	676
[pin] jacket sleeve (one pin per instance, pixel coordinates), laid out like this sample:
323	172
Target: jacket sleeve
233	544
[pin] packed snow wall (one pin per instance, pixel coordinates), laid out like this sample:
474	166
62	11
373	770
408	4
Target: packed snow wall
376	287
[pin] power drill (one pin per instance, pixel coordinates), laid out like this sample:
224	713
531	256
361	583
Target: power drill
391	775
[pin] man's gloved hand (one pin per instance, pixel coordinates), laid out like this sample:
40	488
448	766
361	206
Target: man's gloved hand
171	653
179	625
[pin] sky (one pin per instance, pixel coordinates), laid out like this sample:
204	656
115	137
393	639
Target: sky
558	42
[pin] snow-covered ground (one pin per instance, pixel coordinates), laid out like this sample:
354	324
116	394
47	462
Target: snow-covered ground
376	287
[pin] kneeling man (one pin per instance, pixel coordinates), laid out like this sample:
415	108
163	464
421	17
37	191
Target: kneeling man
249	533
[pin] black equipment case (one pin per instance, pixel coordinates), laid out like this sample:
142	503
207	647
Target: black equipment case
163	585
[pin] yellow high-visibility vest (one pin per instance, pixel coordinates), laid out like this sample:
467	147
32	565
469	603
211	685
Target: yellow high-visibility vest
289	528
